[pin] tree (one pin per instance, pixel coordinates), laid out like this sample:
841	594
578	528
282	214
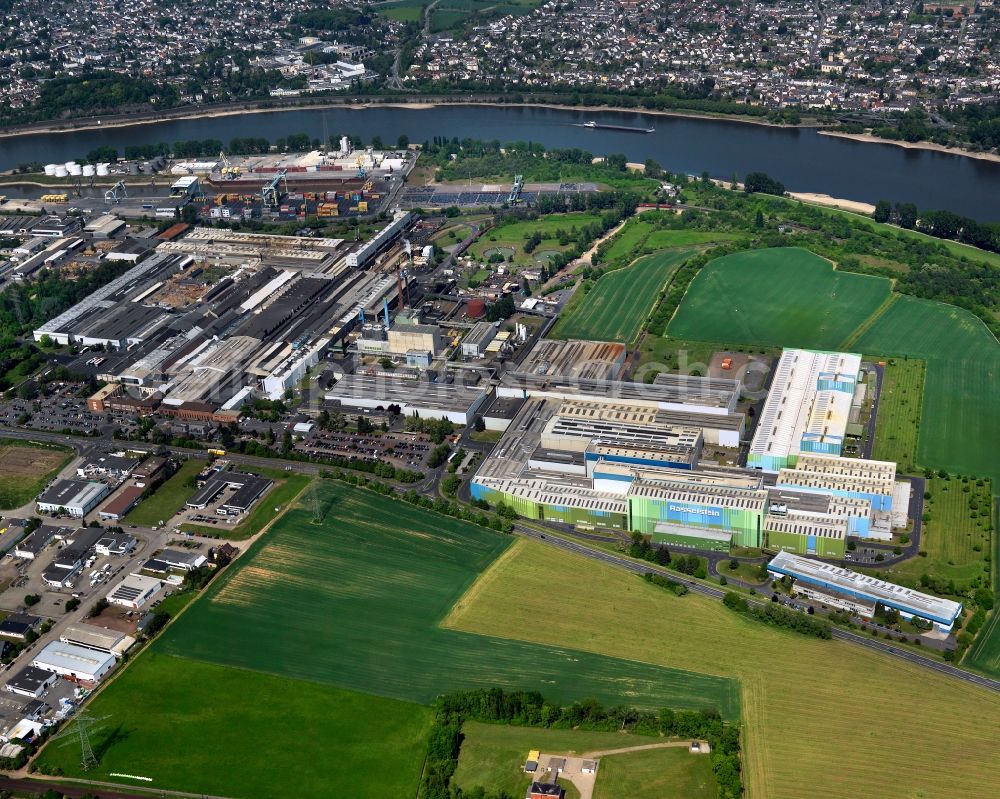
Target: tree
906	214
762	183
32	599
403	141
759	219
883	211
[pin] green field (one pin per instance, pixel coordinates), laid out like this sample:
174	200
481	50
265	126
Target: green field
642	231
195	726
402	10
26	467
632	235
861	703
513	235
617	306
656	774
168	498
360	580
347	609
785	297
984	654
961	409
957	539
898	423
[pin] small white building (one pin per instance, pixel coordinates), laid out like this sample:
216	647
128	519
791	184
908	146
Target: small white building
134	591
74	662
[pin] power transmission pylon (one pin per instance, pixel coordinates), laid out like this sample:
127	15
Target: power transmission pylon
81	727
314	501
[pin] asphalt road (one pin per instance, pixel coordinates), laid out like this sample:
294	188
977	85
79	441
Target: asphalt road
718	593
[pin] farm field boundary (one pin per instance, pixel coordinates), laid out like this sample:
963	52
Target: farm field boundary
26	467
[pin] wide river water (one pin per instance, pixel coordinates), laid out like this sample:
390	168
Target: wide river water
801	158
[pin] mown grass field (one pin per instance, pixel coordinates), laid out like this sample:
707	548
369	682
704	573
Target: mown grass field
793	688
402	10
897	426
641	230
26	468
960	408
514	235
167	499
656	774
630	236
958	537
618	304
344	614
785	297
196	726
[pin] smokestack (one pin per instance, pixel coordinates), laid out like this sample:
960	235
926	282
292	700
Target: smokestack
385	306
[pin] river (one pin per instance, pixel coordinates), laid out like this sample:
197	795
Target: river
799	157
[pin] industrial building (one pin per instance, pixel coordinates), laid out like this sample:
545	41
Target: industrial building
477	339
807	409
73	662
591	360
31	682
134	591
859	591
429	400
211	317
246	490
75	497
99	639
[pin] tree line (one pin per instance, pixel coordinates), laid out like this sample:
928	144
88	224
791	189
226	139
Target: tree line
778	616
940	224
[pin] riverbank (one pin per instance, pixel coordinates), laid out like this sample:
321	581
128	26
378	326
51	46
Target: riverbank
906	145
833	202
423	104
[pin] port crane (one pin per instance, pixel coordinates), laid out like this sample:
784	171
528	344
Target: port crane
229	172
361	167
116	193
272	190
515	192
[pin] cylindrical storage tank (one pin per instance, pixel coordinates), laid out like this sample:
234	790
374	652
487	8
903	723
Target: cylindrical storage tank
61	171
76	170
102	170
70	165
89	170
50	169
133	168
476	308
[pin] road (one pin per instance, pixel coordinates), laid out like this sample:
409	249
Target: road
718	593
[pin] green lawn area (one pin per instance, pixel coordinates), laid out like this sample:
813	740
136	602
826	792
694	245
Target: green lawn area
618	304
196	726
785	297
176	602
288	485
351	609
402	10
493	755
957	538
632	235
656	774
26	467
898	424
167	499
513	235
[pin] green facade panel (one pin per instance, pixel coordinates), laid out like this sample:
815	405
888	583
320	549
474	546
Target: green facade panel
745	525
800	544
